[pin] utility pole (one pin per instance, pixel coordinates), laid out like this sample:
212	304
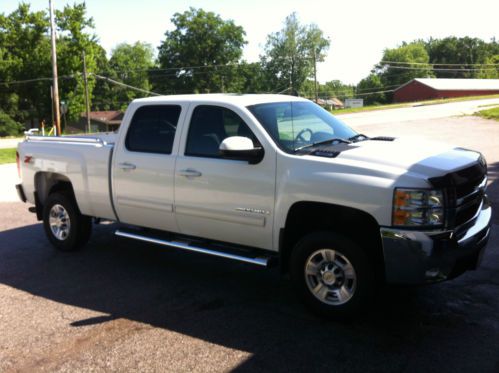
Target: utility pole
52	98
87	101
315	78
55	85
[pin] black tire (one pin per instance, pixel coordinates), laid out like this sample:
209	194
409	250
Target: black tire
359	286
79	230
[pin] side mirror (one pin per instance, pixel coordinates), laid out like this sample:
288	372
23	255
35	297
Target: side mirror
241	149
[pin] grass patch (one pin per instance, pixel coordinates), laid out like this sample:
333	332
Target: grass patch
455	99
7	155
489	113
12	137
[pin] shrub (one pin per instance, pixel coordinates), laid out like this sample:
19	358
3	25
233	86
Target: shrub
8	126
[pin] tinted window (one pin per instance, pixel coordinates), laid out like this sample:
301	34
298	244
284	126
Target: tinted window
152	129
210	125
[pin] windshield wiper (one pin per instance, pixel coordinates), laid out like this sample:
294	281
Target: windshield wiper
334	139
358	137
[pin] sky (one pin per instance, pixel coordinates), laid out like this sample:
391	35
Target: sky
359	30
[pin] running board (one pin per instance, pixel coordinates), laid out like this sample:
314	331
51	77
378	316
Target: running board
261	261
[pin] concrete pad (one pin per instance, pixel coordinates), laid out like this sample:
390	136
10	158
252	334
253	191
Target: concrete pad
8	181
10	143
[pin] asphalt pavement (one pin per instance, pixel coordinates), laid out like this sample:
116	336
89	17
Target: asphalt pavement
119	305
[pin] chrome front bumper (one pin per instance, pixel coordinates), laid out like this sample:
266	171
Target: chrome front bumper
413	257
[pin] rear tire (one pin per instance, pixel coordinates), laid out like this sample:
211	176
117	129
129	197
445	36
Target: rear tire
66	228
332	275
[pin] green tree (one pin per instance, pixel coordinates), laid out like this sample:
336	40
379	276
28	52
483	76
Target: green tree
370	89
8	126
193	56
246	77
104	94
402	64
76	36
490	70
130	64
290	53
457	57
24	55
336	88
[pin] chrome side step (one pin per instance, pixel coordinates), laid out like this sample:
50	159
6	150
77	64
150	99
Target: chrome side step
261	261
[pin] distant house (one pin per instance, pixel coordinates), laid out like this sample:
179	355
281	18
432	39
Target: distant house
431	88
330	103
100	121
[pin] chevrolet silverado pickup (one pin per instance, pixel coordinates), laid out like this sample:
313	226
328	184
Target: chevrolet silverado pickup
268	179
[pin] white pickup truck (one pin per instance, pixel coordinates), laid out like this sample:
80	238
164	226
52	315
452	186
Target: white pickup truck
265	179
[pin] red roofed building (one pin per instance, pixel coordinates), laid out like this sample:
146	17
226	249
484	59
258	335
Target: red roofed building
100	121
431	88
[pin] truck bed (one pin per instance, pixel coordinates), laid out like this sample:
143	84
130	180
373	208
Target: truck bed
83	160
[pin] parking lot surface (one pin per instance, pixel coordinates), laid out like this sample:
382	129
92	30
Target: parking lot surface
119	305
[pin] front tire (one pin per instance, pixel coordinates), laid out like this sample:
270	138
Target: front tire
66	228
332	275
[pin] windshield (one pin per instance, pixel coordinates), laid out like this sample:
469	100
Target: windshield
294	125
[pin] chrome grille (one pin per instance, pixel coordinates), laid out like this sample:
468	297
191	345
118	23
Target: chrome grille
467	205
464	193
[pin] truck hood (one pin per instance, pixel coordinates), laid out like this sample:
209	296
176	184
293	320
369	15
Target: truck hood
416	156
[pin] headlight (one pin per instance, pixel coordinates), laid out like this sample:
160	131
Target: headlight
418	207
482	161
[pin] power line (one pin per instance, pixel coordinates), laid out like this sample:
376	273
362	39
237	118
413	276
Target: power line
353	90
34	80
375	93
438	64
154	69
437	68
126	85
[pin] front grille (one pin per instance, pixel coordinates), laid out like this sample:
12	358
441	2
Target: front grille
464	190
468	210
468	180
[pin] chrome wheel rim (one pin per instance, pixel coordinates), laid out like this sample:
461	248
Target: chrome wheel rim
330	277
59	222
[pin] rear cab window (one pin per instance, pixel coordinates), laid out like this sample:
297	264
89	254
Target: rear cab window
152	129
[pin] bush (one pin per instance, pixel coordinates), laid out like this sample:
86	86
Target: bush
8	126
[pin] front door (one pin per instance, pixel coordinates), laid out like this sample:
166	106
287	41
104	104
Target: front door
221	199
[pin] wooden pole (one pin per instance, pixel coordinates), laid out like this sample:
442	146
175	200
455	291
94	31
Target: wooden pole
55	85
315	78
87	100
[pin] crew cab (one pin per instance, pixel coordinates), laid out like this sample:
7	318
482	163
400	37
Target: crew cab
268	179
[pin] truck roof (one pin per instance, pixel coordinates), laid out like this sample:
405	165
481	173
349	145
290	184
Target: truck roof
233	98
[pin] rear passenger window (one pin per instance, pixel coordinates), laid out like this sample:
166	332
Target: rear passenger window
209	126
152	129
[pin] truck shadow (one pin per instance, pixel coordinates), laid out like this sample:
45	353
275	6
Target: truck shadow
246	308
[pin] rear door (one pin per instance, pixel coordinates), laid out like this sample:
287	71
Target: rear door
143	166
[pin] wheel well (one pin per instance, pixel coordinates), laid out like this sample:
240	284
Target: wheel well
47	183
307	217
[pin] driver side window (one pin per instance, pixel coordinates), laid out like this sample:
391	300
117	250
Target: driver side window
209	126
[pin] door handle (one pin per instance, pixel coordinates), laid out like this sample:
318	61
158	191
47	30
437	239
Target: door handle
189	173
127	166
